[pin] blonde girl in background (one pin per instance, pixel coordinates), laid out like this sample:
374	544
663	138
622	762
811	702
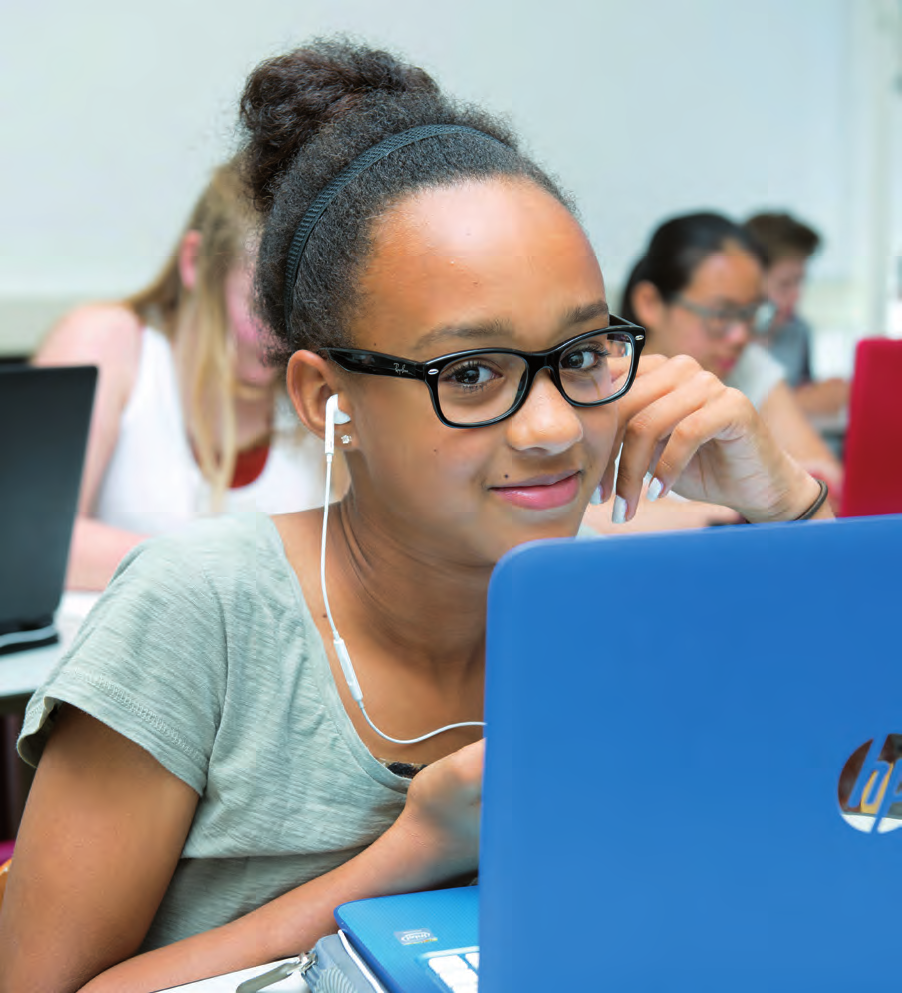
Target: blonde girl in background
189	419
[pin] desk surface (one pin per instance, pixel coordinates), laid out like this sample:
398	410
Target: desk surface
22	672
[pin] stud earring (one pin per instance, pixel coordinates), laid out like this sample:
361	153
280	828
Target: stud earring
346	439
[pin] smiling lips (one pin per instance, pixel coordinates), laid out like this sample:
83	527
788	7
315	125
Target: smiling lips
541	493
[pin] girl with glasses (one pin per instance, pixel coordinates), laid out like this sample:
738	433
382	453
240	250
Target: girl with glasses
699	290
214	779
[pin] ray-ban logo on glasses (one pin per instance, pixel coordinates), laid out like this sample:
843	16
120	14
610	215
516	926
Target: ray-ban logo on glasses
870	786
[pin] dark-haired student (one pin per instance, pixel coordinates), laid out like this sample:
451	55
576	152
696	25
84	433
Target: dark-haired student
208	790
699	291
788	245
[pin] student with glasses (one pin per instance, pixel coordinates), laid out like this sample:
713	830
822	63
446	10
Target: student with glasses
699	291
211	783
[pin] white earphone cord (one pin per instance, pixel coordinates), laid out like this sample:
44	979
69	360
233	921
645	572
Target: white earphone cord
341	650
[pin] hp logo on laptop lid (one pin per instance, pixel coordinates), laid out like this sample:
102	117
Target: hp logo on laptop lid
870	786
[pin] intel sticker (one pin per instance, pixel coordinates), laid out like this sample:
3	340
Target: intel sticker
419	937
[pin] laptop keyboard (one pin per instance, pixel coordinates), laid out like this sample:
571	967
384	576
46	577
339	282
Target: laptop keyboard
457	971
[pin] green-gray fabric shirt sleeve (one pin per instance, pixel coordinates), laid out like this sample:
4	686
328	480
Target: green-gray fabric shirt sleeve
204	652
150	661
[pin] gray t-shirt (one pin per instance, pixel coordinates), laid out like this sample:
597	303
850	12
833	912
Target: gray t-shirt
202	650
790	345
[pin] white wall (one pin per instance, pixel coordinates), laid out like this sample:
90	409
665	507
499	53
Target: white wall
114	112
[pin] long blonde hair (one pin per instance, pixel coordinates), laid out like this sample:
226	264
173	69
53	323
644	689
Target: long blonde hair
226	221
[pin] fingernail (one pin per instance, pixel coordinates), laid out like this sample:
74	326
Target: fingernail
654	489
619	513
596	496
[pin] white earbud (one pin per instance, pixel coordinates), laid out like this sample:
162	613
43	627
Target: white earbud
334	415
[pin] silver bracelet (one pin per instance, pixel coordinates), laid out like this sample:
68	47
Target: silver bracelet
819	502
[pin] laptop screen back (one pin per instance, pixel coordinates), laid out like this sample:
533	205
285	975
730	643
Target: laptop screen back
873	445
671	721
45	414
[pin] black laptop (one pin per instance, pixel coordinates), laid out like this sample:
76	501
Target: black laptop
44	418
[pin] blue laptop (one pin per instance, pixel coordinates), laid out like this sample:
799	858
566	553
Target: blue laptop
693	774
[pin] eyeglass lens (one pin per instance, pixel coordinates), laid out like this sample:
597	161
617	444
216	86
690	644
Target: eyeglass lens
721	321
484	386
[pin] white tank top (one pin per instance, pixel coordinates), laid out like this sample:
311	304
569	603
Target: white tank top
756	374
153	483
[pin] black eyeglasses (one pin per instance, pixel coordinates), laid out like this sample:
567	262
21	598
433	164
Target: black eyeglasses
484	385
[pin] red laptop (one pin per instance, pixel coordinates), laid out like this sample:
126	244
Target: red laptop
873	446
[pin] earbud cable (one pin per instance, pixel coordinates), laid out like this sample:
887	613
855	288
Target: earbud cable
341	650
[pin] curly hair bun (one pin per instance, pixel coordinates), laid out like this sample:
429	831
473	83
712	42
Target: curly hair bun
288	99
309	115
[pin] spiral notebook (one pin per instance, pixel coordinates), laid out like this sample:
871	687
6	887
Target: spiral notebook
693	774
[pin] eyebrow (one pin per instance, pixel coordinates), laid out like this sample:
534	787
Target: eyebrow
468	332
586	312
504	329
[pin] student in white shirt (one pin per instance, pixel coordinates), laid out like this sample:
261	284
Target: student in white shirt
189	419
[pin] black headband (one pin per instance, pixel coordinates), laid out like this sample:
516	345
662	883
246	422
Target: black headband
316	210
